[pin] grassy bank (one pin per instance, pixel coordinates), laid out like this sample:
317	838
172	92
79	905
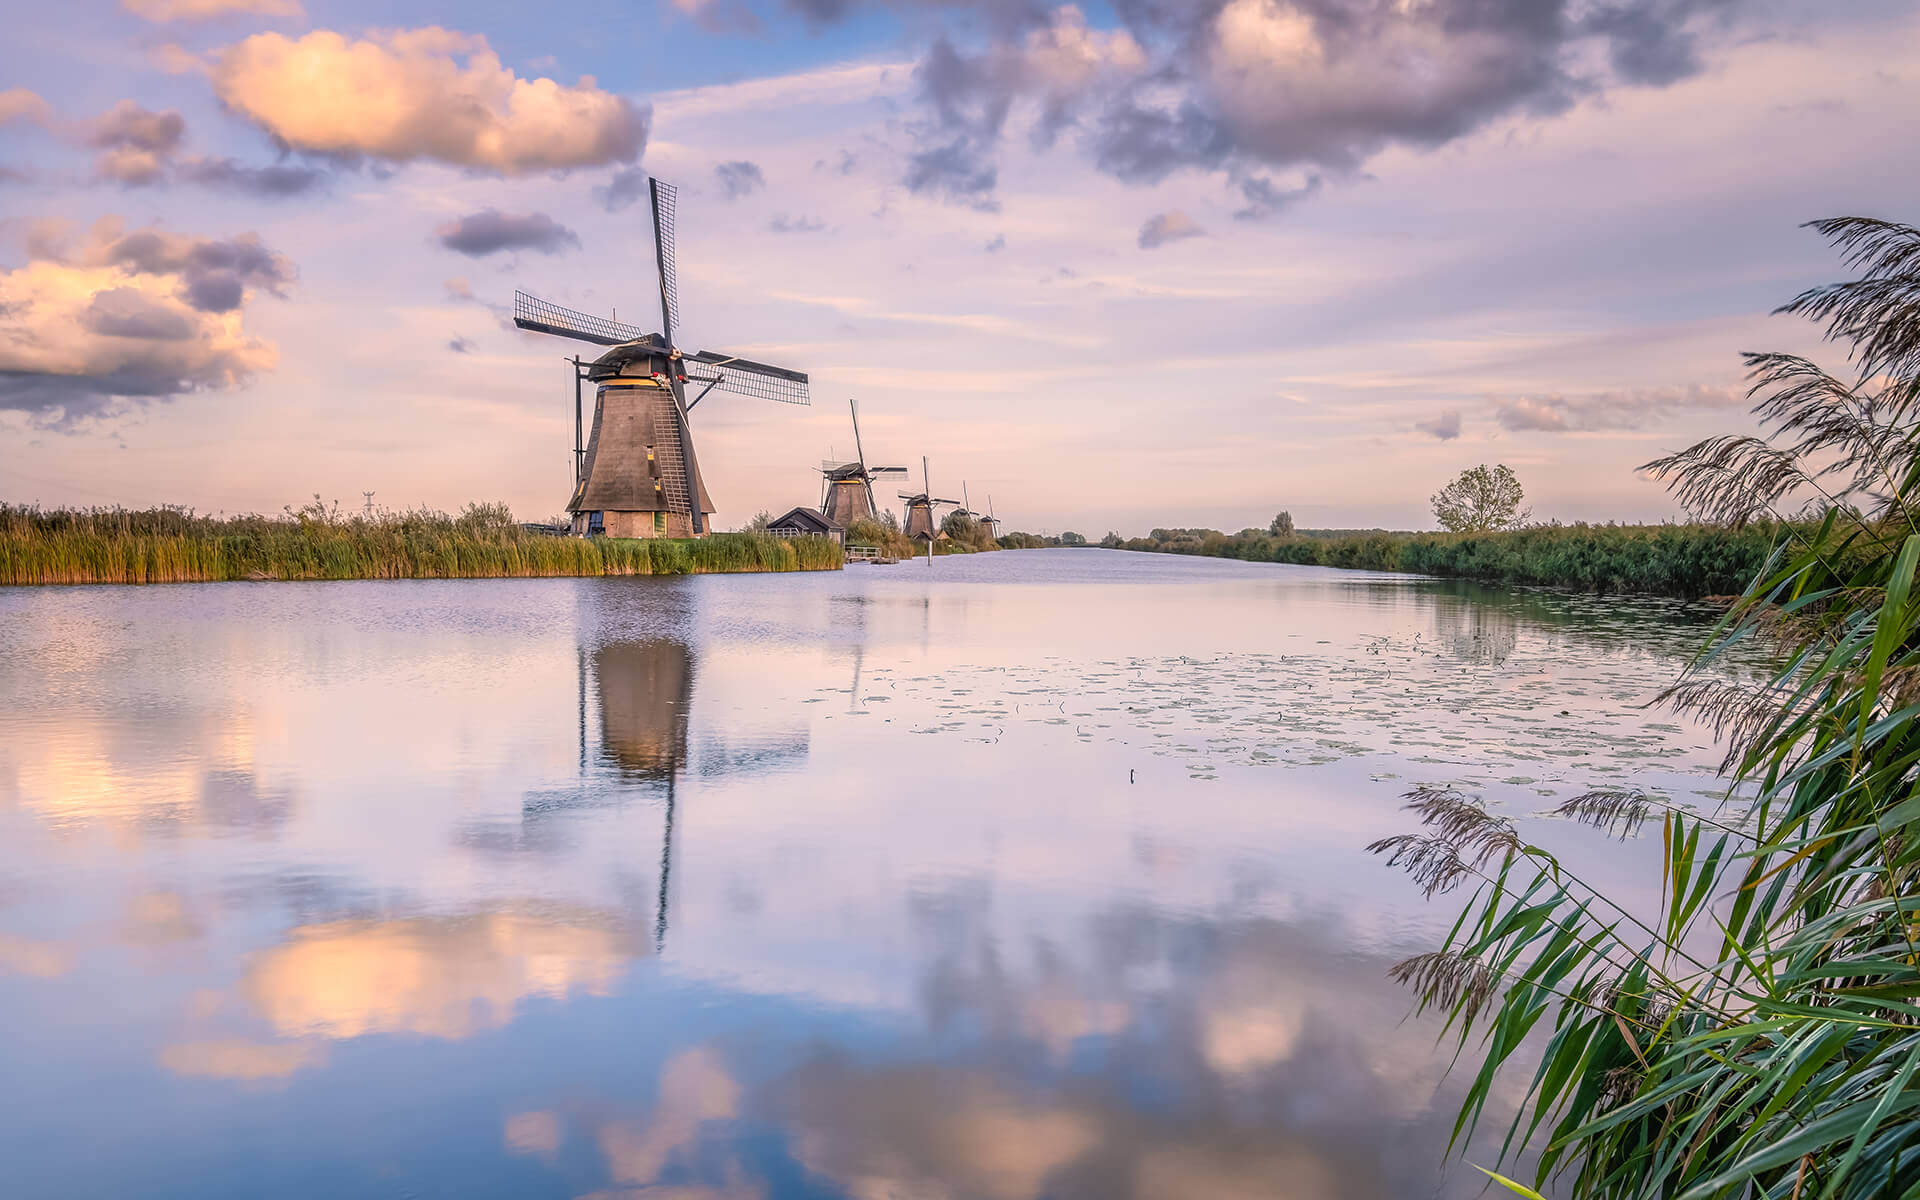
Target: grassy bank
1684	561
40	546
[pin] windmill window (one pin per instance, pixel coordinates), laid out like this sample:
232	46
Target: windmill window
596	523
659	524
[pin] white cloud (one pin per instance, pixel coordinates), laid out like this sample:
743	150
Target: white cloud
430	94
19	104
144	314
203	10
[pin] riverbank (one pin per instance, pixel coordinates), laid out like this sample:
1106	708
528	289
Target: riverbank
484	542
1681	561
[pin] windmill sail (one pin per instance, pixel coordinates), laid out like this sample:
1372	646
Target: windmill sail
665	198
532	313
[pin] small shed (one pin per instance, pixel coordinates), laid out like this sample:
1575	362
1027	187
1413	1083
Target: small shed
801	522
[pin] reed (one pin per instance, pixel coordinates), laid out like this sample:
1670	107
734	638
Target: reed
172	545
1756	1033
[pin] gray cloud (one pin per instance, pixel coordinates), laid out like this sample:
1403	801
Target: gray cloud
460	345
623	188
998	244
1265	200
1600	411
213	272
956	171
490	231
1445	426
782	223
1246	85
739	178
272	182
1165	227
137	144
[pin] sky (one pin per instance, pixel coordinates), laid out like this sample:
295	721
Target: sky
1164	262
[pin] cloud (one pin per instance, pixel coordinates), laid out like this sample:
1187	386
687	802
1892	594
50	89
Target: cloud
138	144
1055	65
423	94
998	244
252	1062
740	178
782	223
139	315
1165	227
272	182
460	345
956	171
42	960
445	977
623	188
203	10
1445	426
490	231
1608	410
19	104
1245	85
1265	200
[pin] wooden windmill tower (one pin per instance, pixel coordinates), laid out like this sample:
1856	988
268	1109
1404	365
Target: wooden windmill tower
921	522
847	487
636	475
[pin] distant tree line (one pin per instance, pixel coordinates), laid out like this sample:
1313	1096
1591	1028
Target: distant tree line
1685	561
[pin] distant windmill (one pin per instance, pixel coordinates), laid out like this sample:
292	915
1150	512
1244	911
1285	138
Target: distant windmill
847	494
920	509
637	475
989	520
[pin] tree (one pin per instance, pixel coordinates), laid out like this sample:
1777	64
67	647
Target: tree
760	521
1757	1035
1480	500
1282	525
1112	541
1070	538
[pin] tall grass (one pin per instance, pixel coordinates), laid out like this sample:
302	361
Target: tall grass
1758	1033
1684	561
170	545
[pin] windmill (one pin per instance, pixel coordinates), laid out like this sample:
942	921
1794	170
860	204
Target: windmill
920	506
636	475
989	520
847	487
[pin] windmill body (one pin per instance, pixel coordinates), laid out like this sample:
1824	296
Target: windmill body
636	474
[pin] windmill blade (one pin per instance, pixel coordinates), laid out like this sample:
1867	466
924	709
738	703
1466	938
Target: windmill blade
665	197
531	312
748	378
859	452
937	500
886	470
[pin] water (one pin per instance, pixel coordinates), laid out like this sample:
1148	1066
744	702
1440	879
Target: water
1031	874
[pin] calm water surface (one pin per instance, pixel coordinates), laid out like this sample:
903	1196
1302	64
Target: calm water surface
1032	874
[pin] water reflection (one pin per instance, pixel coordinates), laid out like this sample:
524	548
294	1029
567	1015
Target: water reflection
645	693
1031	876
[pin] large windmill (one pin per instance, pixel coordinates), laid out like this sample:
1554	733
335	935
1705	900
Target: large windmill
920	509
847	487
636	475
